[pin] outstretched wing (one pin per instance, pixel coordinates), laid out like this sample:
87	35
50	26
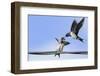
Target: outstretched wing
53	52
79	25
74	24
57	40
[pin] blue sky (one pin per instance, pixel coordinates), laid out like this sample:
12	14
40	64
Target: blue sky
42	31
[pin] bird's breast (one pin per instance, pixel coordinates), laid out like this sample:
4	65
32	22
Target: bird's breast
73	35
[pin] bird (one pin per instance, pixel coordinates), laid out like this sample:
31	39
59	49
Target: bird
61	43
75	28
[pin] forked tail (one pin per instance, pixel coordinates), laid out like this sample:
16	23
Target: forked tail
80	39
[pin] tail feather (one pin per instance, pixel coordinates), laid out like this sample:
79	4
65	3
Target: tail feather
80	39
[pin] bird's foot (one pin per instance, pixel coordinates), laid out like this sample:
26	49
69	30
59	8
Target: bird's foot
58	54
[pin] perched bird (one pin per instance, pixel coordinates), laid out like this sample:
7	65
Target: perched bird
61	43
75	30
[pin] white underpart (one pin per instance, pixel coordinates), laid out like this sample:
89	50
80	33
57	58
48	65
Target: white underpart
73	35
60	48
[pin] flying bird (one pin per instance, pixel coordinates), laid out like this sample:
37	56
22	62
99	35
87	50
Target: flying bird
75	28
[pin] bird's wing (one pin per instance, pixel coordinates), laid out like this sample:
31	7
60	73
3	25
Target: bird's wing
57	40
74	24
79	25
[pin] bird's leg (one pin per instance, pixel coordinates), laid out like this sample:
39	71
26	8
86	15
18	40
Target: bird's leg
57	54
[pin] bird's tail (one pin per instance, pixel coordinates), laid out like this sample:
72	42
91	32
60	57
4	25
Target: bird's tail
80	39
